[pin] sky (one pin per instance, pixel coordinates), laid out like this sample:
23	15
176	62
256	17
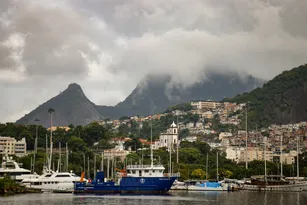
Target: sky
108	46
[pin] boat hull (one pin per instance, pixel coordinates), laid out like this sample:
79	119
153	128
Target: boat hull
276	188
198	188
128	185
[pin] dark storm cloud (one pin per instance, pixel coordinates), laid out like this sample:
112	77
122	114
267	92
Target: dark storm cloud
108	46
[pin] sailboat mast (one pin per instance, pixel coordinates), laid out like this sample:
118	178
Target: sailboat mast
151	152
88	167
207	166
217	166
101	164
94	166
51	110
59	168
35	145
281	159
246	154
47	158
297	158
66	157
265	160
177	140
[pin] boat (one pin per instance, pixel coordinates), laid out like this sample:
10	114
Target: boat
138	179
133	179
51	181
10	167
272	183
276	183
178	185
207	186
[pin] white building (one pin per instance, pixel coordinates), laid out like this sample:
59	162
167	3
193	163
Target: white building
11	146
190	139
170	138
205	105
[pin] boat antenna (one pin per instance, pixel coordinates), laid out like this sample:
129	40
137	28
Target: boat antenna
151	153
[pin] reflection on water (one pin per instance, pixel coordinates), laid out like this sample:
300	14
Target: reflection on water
176	198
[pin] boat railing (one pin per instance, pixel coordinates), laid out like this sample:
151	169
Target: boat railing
143	166
172	174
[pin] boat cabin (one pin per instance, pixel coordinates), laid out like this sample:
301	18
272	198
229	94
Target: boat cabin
12	168
145	171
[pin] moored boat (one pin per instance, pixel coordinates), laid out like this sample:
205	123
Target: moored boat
273	183
138	179
207	186
10	167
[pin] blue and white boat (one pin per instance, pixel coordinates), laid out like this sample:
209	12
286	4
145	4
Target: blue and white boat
134	179
137	179
207	186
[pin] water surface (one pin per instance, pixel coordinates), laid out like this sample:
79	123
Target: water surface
176	198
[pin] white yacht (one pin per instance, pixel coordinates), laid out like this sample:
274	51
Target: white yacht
51	181
11	168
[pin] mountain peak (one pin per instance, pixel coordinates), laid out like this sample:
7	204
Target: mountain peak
71	107
74	86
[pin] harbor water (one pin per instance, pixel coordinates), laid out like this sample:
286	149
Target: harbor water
175	198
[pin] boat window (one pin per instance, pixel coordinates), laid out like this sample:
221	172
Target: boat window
146	171
133	171
62	175
48	175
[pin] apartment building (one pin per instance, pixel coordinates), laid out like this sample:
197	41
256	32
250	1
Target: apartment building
256	153
11	146
206	104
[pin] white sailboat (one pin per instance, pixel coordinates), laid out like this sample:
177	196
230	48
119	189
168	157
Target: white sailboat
275	183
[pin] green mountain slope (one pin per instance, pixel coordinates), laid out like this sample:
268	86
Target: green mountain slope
282	100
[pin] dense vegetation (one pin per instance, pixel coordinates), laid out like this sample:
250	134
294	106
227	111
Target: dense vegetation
281	100
9	187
